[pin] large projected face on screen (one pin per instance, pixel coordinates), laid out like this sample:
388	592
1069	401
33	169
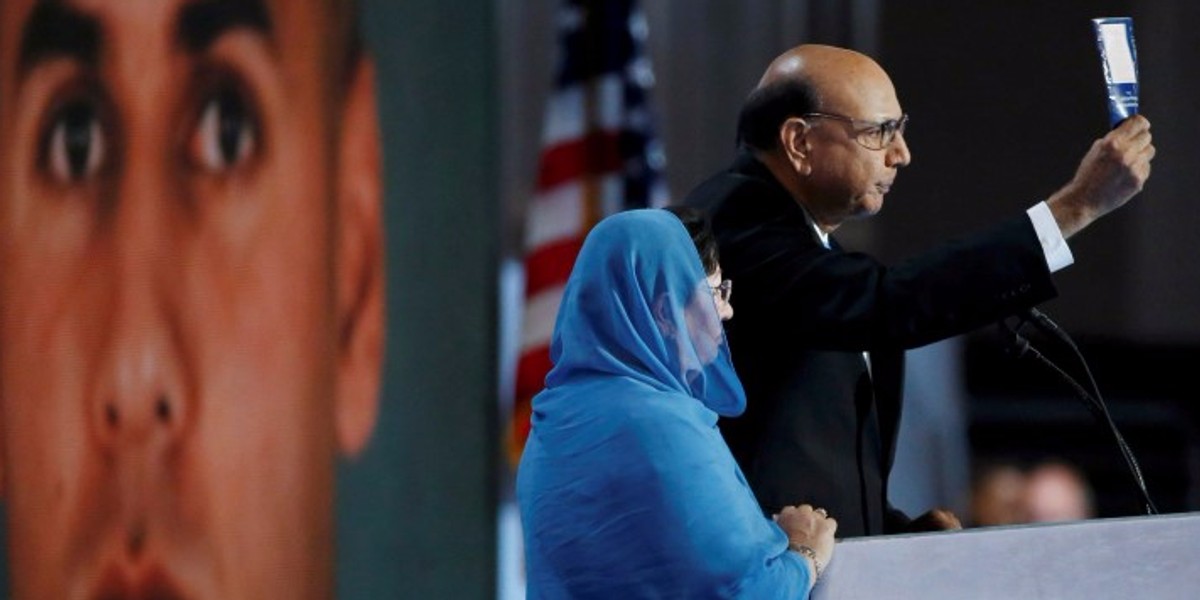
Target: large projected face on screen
190	292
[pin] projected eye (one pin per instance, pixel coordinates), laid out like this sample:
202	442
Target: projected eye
226	134
75	147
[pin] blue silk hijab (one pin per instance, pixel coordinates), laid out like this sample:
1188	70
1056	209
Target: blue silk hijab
626	488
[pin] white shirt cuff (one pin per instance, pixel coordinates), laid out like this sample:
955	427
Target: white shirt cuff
1054	245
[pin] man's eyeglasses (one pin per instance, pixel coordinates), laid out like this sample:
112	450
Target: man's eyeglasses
722	291
872	135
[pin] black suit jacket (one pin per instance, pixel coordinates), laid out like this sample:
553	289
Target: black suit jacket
818	427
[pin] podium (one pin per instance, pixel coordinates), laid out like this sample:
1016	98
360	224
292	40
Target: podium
1137	557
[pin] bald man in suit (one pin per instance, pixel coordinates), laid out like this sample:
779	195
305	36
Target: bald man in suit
820	333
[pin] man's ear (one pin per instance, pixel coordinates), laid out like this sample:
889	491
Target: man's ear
3	454
359	263
793	139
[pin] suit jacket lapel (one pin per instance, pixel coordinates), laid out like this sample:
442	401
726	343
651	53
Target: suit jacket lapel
887	377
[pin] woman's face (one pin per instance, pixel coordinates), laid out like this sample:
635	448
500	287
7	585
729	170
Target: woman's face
705	332
721	295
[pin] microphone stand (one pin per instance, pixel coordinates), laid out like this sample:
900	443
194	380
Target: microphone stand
1093	401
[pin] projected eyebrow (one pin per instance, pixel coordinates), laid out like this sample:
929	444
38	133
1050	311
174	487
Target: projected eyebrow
200	24
54	30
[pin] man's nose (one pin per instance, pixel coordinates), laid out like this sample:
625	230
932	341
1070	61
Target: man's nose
138	401
139	397
897	152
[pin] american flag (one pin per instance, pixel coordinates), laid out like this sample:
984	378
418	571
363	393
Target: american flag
599	156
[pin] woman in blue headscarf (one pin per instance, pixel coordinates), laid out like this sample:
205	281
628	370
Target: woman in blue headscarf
626	488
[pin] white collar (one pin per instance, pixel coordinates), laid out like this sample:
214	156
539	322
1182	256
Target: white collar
821	233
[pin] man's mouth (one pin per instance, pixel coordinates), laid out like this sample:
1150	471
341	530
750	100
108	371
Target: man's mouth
151	583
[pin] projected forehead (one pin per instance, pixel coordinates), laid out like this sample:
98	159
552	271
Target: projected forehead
61	30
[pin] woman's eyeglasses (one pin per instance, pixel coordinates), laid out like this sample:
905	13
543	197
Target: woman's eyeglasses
722	291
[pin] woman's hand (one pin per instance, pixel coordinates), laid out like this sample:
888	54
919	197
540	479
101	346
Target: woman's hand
810	532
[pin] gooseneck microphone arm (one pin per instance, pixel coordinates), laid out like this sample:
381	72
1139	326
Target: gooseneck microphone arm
1093	400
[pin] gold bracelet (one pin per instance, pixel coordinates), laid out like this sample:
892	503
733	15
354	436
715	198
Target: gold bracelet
811	554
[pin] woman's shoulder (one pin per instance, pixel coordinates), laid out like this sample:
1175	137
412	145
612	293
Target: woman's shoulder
636	416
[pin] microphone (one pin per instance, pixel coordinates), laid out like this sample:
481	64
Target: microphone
1048	327
1043	322
1093	401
